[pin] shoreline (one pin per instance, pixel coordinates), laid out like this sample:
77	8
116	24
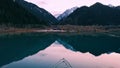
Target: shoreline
64	29
21	31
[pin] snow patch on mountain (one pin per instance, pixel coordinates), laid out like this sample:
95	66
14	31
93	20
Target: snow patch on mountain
66	13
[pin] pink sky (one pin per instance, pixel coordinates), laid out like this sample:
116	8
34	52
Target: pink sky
59	6
51	55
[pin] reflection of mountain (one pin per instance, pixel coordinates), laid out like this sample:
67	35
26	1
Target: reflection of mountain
65	44
93	44
97	14
13	48
16	47
58	56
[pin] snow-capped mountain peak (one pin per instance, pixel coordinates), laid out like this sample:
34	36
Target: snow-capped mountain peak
66	13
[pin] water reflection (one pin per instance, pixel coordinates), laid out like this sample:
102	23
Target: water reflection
16	47
48	58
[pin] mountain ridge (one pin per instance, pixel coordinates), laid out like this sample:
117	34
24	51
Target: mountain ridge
66	13
96	14
19	13
38	12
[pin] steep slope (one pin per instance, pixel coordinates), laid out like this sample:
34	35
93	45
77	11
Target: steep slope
97	14
66	13
118	7
38	12
12	13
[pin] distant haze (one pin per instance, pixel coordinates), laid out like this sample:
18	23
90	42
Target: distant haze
59	6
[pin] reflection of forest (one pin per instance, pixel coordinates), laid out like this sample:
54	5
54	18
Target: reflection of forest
16	47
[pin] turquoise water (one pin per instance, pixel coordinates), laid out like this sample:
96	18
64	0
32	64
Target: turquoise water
44	50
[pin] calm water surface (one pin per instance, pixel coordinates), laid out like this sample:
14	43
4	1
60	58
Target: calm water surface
59	51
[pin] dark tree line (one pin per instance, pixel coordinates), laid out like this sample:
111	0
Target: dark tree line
97	14
18	14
